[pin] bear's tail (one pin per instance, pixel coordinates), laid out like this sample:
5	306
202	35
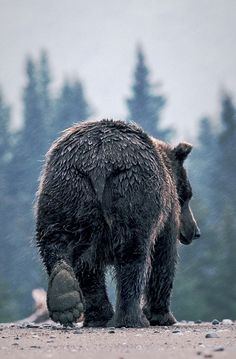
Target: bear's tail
100	181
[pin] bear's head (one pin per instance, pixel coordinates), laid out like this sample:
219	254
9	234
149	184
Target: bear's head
189	229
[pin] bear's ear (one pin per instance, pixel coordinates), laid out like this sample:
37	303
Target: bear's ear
182	151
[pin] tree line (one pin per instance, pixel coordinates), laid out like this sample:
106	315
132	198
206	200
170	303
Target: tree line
205	286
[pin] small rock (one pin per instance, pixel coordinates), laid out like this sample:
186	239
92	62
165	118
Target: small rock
198	321
15	344
208	355
46	325
219	349
35	346
176	331
111	331
215	322
77	331
227	321
212	335
199	352
31	325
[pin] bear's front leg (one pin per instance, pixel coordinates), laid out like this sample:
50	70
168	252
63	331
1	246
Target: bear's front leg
158	288
98	309
64	296
128	311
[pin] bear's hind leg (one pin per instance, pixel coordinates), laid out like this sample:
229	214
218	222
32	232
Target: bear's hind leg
98	309
130	267
64	296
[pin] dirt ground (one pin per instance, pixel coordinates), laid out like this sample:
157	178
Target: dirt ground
183	340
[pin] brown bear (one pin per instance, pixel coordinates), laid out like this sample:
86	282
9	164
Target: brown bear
109	194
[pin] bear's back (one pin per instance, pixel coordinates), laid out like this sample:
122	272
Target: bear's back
107	144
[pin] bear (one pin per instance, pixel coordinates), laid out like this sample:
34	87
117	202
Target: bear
111	195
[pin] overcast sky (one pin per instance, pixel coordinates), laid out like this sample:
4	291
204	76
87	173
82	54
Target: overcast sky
190	47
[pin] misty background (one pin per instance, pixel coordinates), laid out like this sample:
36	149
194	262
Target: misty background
169	66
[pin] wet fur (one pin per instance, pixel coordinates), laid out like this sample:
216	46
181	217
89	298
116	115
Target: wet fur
108	196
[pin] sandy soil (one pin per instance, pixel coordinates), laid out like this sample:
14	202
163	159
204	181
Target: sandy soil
184	340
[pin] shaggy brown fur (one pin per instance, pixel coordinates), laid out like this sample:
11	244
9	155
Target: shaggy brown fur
111	195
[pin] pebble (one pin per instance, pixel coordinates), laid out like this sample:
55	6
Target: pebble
111	331
198	321
227	321
212	335
208	355
176	331
31	325
219	349
77	331
215	322
35	346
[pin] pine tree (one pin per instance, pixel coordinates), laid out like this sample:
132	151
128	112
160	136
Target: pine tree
228	117
71	106
227	143
31	145
44	93
23	173
5	207
208	267
226	205
144	105
5	140
197	268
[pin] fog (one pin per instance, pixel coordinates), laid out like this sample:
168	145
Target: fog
189	46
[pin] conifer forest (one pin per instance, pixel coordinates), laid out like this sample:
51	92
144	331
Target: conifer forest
205	281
